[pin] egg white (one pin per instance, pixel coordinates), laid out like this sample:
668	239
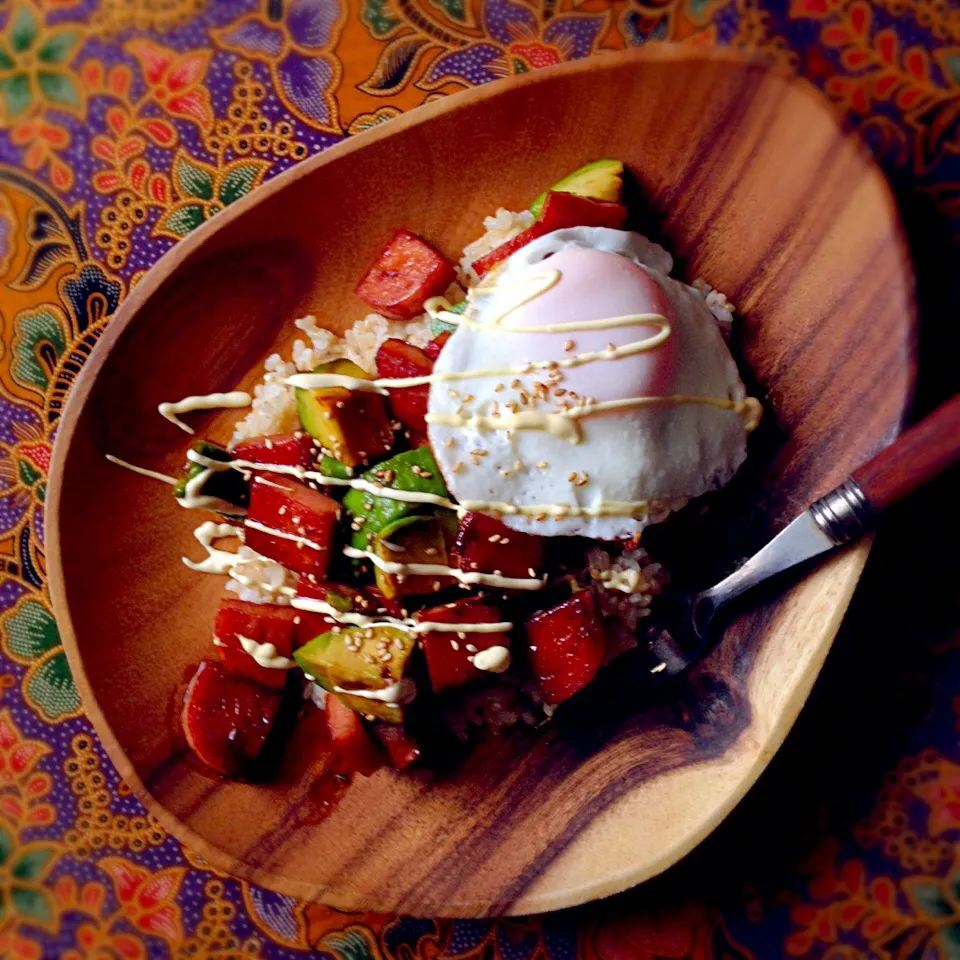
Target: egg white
664	454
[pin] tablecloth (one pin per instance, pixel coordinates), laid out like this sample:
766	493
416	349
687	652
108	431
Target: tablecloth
126	124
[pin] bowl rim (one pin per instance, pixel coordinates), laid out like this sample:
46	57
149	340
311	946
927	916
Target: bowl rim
853	560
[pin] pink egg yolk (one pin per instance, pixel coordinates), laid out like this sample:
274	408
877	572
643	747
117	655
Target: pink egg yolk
594	285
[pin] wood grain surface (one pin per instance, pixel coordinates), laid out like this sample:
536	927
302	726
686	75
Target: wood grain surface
745	175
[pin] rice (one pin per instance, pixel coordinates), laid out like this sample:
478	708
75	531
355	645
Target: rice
257	579
274	408
504	225
718	304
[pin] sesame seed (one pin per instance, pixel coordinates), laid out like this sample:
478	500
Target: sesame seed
498	573
453	395
540	516
469	398
478	453
542	465
517	465
504	540
516	384
450	442
531	571
506	473
471	648
454	644
568	345
282	510
457	467
436	586
498	388
340	404
431	551
296	620
572	477
494	538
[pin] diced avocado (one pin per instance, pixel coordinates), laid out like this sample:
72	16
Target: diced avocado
338	601
413	470
226	485
411	540
600	180
438	326
368	659
351	425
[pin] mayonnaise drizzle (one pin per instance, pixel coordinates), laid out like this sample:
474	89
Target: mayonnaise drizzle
439	570
315	381
492	660
235	399
143	471
610	508
216	561
265	654
395	695
270	531
564	424
313	605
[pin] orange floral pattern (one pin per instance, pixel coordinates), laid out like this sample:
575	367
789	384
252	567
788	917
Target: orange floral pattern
124	126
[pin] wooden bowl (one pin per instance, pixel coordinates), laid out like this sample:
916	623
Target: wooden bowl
756	189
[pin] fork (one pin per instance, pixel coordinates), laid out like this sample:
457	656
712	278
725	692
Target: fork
843	515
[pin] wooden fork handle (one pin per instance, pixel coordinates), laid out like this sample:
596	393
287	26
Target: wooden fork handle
914	458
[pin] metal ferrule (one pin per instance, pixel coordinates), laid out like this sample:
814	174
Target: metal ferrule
844	513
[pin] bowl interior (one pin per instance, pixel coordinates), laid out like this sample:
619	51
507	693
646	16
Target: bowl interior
745	175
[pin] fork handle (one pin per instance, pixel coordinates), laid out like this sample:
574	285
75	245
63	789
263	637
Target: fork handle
913	459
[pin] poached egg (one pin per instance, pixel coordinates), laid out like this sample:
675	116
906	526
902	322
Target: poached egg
595	315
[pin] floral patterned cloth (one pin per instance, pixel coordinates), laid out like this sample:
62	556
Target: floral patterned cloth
127	123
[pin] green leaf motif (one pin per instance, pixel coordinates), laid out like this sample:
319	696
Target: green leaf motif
395	65
949	937
7	844
454	9
52	688
16	94
32	631
931	900
375	14
951	66
6	61
28	474
59	88
32	863
32	903
58	48
193	181
41	492
240	180
182	221
24	28
38	343
352	945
